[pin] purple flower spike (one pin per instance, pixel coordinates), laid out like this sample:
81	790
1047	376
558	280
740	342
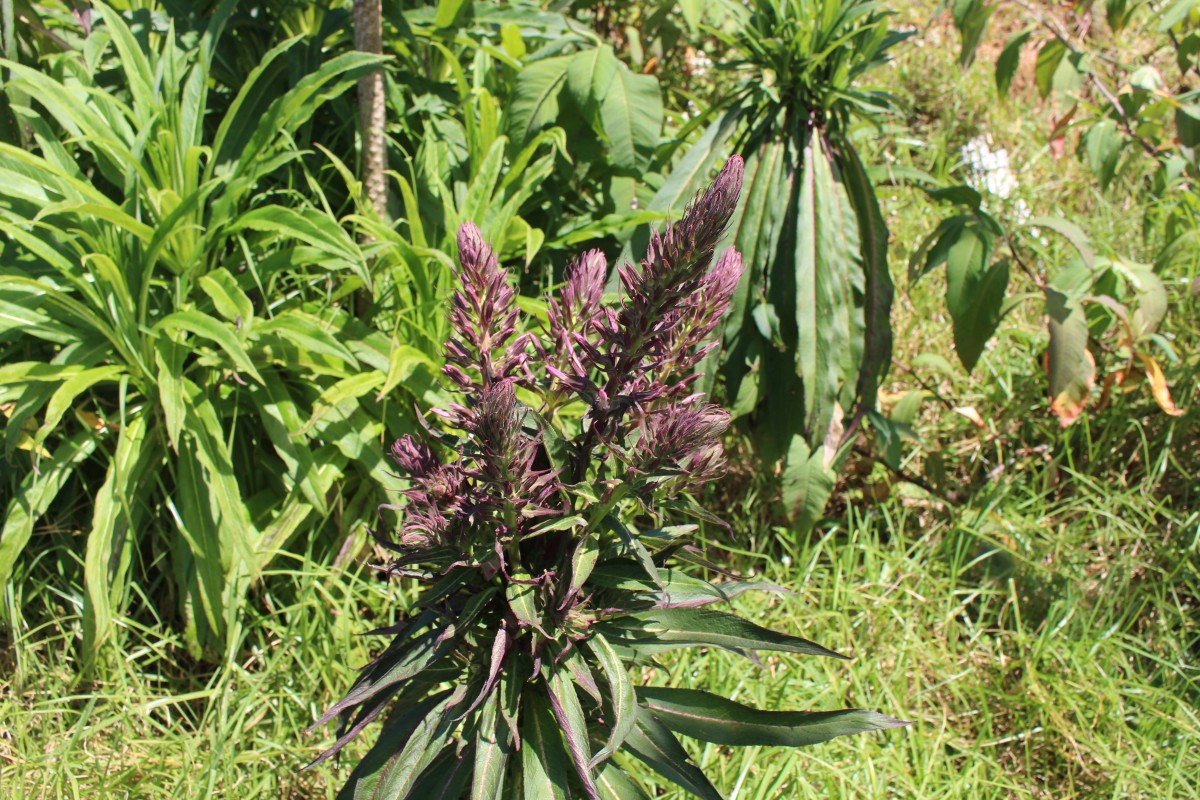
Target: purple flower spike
483	314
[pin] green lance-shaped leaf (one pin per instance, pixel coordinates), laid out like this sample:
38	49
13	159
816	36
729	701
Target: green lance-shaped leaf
544	763
615	784
37	490
1009	60
1070	366
873	235
826	253
227	297
206	327
974	291
621	696
654	744
564	702
705	716
674	627
492	751
109	546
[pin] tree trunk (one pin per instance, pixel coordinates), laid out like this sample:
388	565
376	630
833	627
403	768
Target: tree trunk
368	38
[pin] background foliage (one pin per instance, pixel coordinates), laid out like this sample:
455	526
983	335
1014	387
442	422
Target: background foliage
196	403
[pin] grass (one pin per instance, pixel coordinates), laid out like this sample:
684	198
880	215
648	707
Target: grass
1039	622
1040	646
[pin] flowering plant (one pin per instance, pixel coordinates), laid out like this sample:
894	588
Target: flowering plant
541	540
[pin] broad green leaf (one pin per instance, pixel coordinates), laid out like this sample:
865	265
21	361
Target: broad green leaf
33	496
544	762
701	715
1103	145
705	626
590	73
534	102
971	17
1048	60
204	326
631	113
654	744
621	697
1009	60
974	291
448	12
807	483
1070	366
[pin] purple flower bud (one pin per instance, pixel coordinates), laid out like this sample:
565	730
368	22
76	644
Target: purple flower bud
414	456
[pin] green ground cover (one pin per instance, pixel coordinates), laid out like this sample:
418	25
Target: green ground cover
1033	606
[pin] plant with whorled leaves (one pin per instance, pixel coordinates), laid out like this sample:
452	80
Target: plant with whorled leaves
543	545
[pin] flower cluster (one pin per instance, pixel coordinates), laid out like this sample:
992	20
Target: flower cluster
631	364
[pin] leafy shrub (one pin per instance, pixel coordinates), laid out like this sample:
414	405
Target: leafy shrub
1103	311
153	320
488	86
537	527
809	333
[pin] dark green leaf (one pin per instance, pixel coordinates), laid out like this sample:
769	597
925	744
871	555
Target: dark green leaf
544	762
704	626
654	744
1009	60
705	716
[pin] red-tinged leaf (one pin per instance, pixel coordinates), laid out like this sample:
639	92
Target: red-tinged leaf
621	696
564	702
492	751
544	762
704	716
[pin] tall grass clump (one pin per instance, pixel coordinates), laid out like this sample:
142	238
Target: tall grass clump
161	350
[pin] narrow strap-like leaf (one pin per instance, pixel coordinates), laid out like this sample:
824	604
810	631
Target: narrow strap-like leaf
564	702
492	750
621	694
705	716
655	745
544	762
705	626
